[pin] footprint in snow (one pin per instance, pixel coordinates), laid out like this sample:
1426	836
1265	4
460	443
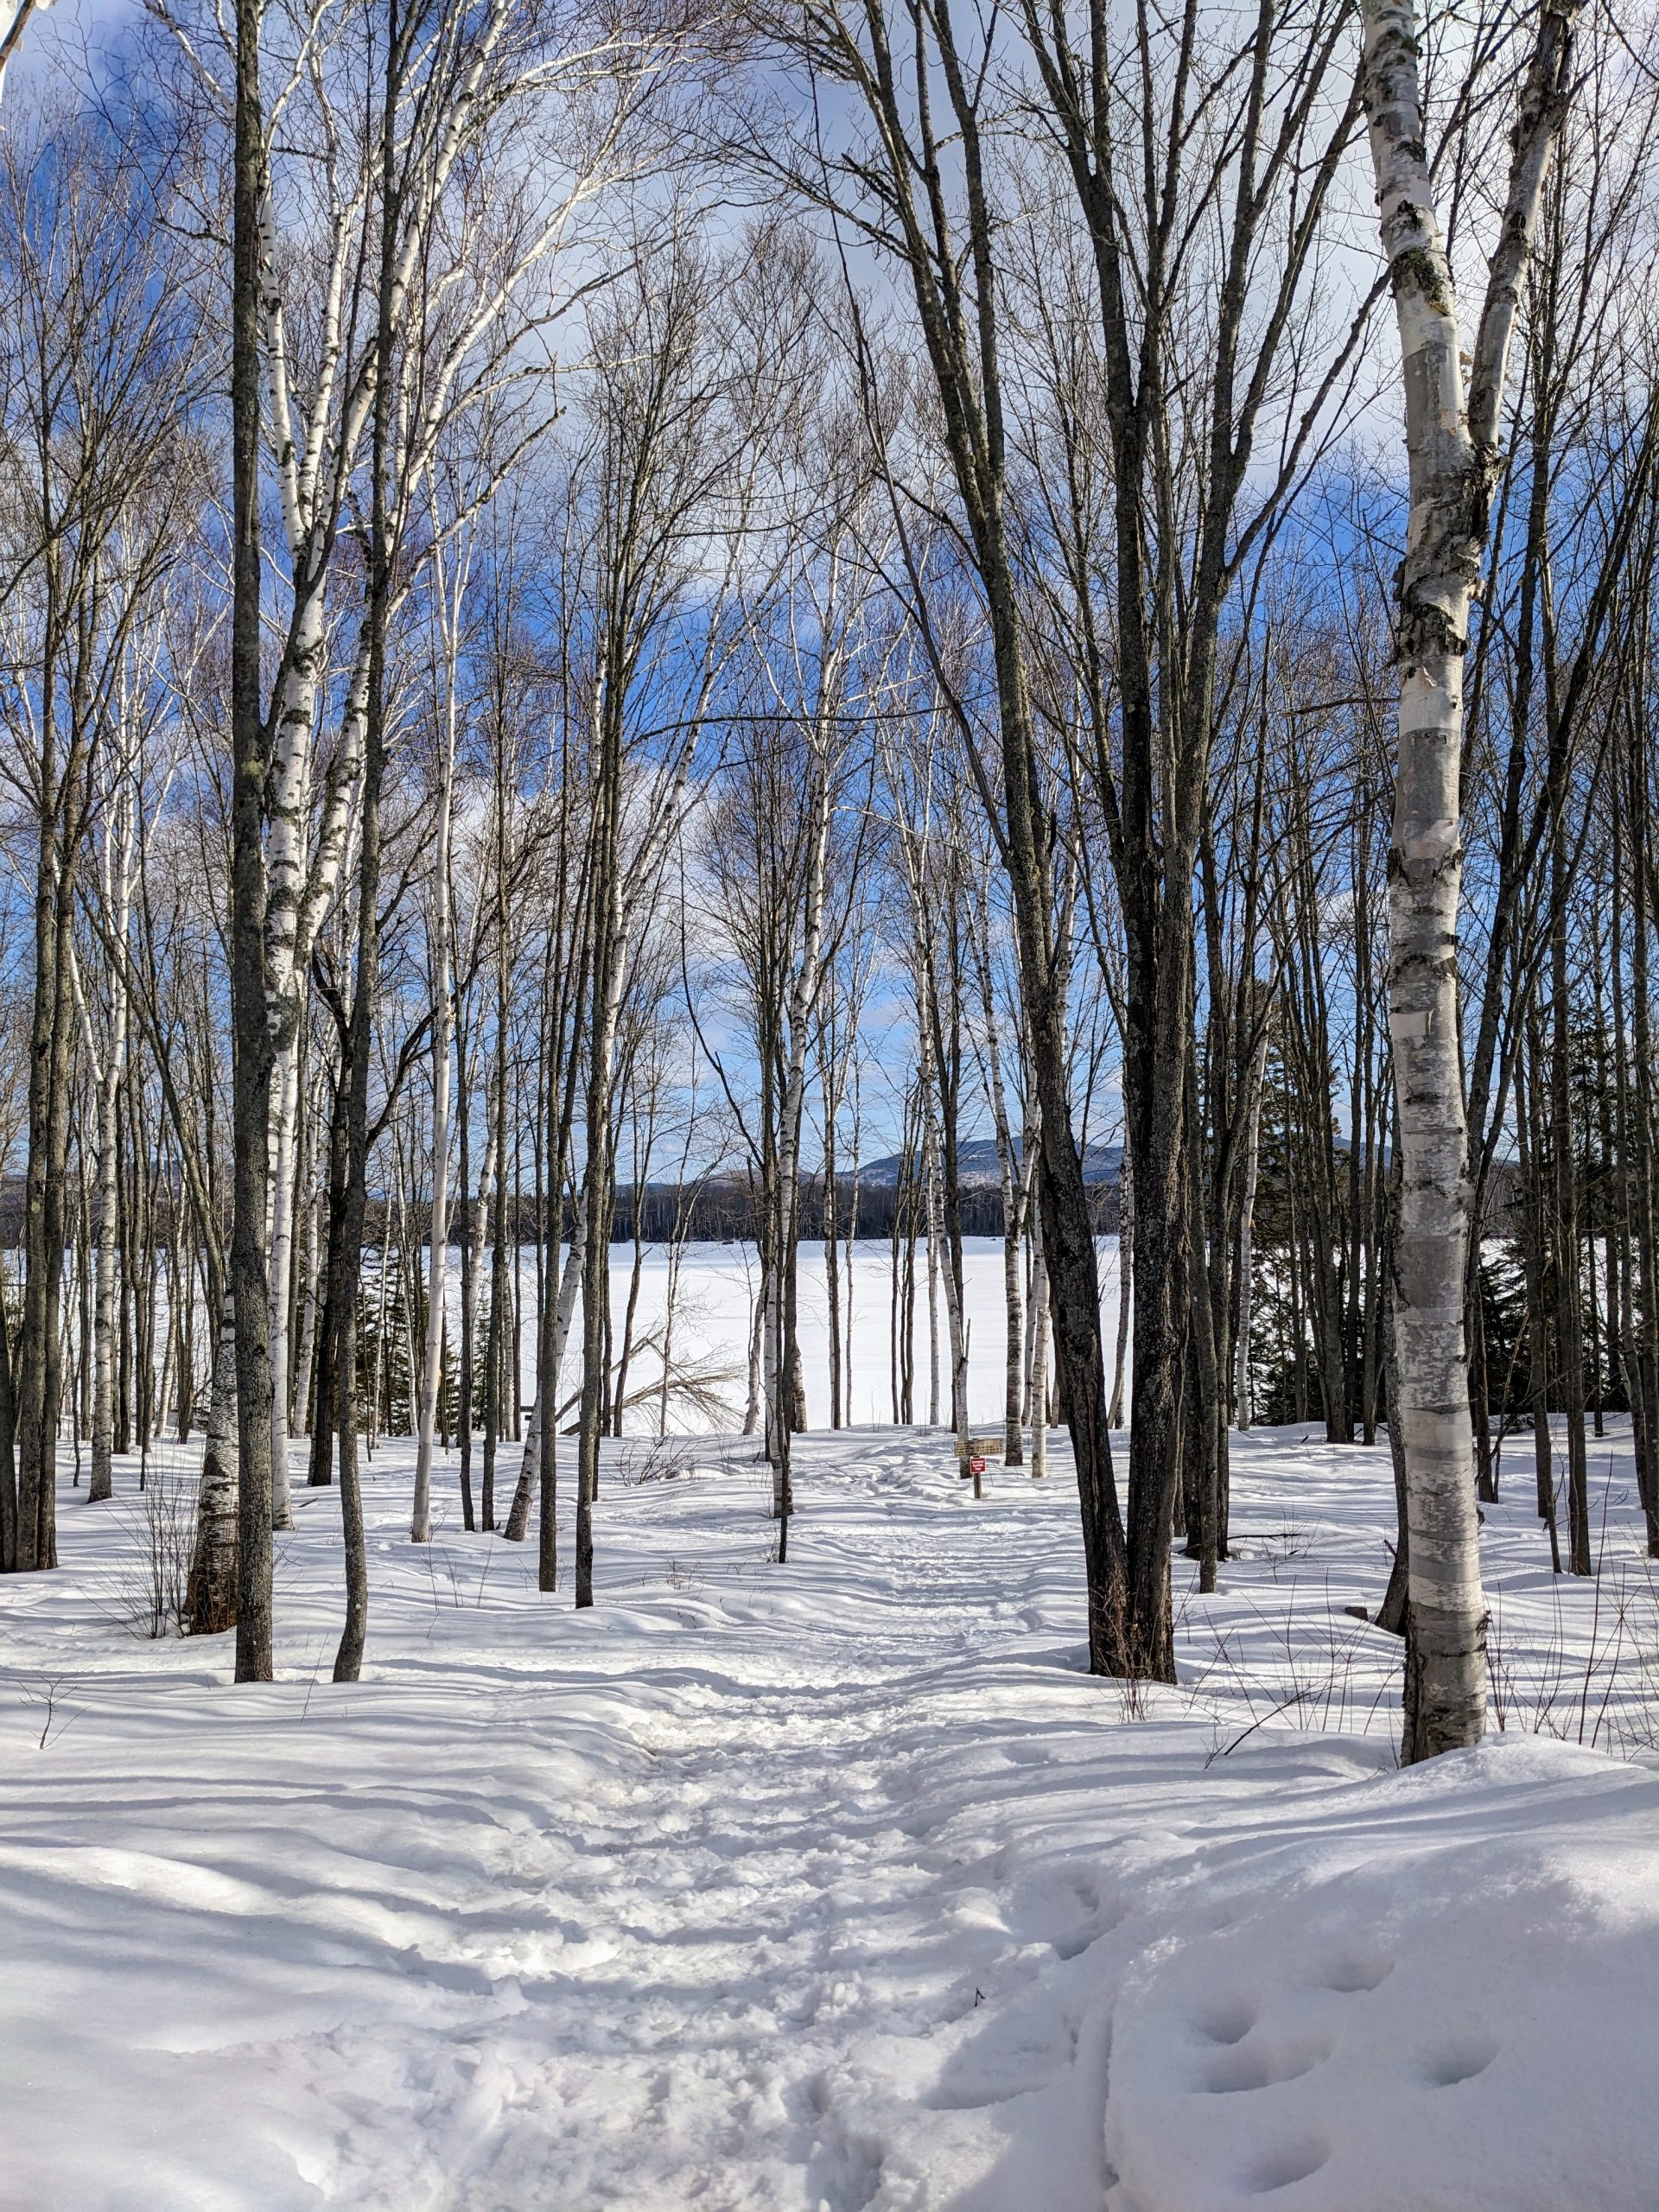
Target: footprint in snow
1229	2023
1459	2062
1241	2069
1287	2163
1066	1908
1353	1977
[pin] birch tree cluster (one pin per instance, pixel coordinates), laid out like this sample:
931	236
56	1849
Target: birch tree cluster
807	624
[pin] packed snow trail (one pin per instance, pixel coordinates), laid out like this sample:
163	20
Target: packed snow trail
611	1908
835	1886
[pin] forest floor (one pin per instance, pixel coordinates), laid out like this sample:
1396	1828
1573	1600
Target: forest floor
836	1885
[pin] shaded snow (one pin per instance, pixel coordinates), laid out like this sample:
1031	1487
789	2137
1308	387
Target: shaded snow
834	1884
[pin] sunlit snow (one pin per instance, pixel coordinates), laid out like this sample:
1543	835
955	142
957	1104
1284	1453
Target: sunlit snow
835	1883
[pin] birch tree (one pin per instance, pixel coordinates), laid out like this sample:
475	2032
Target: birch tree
1452	443
451	569
14	20
101	335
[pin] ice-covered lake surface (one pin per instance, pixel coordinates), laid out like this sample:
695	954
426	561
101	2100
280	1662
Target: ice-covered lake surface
714	1289
831	1885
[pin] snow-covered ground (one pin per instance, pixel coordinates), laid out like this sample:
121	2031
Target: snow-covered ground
832	1884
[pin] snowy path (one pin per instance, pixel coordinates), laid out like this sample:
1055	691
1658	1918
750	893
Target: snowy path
830	1888
635	1915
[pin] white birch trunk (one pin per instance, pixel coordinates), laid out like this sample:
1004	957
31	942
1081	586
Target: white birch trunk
442	965
284	1161
1013	1187
1452	451
570	1283
107	1068
751	1408
771	1361
955	1330
1242	1410
101	1482
803	1001
313	1274
933	1399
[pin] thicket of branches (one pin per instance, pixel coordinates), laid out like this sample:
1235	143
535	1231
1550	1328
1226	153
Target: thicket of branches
608	616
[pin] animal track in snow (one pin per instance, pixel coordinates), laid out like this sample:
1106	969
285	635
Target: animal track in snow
811	2096
1353	1977
1459	2062
1229	2022
1240	2069
1290	2162
1066	1910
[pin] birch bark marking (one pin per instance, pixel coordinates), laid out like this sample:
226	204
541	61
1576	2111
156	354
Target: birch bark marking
1453	452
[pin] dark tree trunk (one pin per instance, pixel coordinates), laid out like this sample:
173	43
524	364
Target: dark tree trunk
250	999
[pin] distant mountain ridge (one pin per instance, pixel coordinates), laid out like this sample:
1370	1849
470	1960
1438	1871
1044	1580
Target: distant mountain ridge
977	1164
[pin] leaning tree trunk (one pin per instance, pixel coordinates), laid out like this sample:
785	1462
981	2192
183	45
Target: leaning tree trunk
1453	462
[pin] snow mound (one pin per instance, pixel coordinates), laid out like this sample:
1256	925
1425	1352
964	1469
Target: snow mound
1439	1998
